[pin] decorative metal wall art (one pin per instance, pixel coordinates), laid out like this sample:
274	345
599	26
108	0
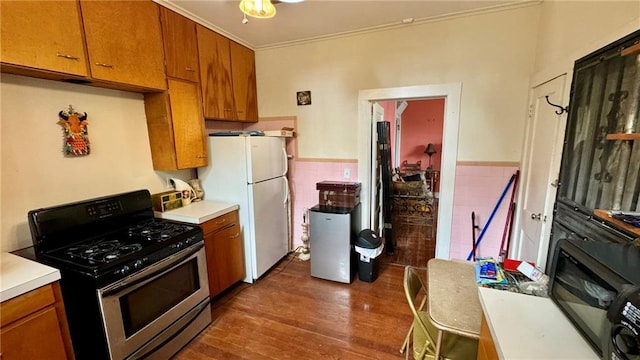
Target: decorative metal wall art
75	133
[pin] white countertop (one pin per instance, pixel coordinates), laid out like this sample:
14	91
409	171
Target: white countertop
531	327
19	275
197	212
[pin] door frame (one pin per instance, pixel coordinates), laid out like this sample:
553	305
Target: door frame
377	218
452	93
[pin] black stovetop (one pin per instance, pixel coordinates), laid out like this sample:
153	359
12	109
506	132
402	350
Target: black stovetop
107	238
131	241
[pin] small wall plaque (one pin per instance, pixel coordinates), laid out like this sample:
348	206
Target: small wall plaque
304	97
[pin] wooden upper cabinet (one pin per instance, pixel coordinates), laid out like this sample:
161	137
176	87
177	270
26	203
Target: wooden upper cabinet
124	42
215	74
180	45
43	35
188	124
176	127
228	78
243	73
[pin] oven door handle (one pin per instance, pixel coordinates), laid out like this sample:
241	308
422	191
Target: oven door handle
152	270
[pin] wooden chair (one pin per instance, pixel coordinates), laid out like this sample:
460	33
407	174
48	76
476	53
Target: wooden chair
423	332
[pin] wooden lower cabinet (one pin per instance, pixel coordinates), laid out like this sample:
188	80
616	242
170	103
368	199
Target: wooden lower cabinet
34	326
223	246
486	347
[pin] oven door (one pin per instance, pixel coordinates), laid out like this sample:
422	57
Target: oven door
584	289
156	303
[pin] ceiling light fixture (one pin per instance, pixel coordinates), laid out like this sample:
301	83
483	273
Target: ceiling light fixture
261	9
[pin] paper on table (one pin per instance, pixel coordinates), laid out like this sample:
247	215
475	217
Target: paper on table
530	271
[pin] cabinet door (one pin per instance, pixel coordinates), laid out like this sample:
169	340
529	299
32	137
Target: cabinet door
228	256
124	42
223	246
188	124
220	267
244	82
210	249
180	45
176	127
486	346
18	338
215	74
44	35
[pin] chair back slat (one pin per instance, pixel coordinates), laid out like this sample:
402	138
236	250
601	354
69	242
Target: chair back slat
416	293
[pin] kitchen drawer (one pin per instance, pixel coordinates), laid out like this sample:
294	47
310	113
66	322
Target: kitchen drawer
21	306
220	222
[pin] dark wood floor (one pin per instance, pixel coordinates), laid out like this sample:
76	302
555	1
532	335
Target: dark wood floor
414	245
415	240
290	315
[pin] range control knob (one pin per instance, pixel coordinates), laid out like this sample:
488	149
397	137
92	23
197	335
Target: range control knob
125	270
138	264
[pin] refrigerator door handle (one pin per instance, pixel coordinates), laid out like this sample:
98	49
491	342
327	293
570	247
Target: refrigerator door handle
286	190
286	161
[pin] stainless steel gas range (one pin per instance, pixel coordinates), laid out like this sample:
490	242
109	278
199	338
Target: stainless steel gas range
133	286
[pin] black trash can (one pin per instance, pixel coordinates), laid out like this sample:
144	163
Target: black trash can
369	247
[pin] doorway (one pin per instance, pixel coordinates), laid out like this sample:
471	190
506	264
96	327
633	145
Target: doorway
451	93
415	147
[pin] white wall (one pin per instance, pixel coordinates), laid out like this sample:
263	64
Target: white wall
35	173
491	54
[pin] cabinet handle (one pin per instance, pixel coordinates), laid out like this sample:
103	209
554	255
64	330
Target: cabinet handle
66	56
201	156
234	236
189	69
222	221
105	65
536	216
227	109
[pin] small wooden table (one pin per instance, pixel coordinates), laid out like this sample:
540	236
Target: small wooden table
454	306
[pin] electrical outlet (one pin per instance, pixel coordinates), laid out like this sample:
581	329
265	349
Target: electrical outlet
169	183
347	173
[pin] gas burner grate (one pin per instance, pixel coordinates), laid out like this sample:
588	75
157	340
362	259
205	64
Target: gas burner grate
102	252
158	231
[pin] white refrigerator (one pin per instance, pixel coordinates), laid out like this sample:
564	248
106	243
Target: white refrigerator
251	171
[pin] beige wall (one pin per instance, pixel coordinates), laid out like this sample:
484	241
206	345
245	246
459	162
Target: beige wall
34	171
570	30
490	54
